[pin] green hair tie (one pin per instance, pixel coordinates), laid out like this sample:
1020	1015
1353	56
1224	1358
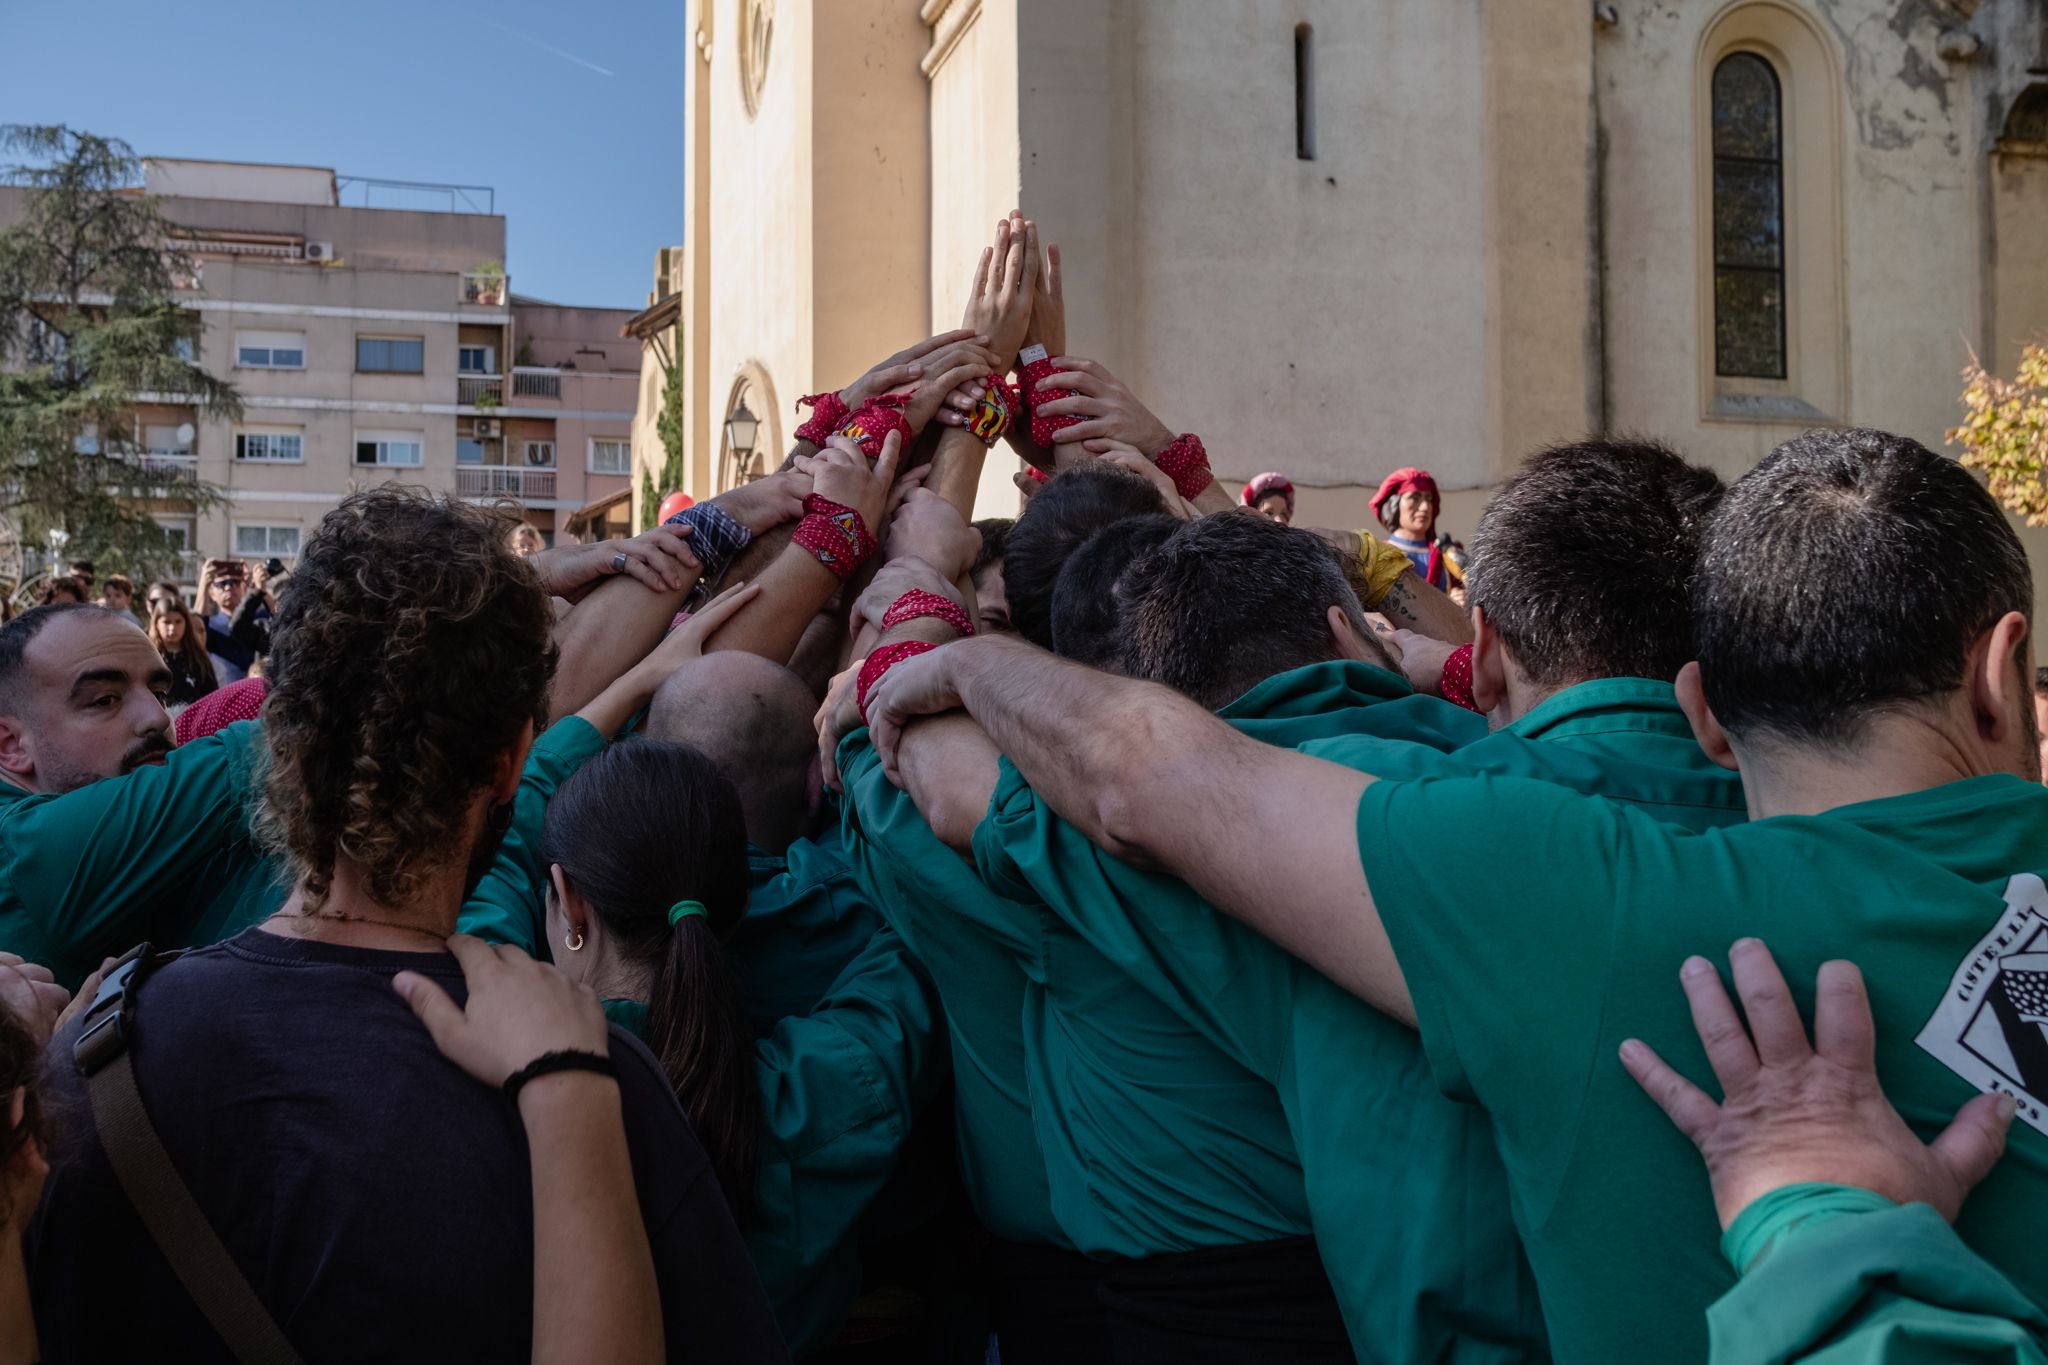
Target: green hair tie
682	910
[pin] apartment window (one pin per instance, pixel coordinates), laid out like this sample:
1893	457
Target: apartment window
1305	92
185	350
540	454
390	355
477	359
273	447
388	447
270	350
179	534
263	542
87	441
1749	219
164	440
611	457
468	451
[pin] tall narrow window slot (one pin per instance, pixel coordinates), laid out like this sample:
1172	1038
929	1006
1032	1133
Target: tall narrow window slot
1305	92
1749	219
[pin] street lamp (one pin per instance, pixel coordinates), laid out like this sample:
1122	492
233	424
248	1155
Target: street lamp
740	430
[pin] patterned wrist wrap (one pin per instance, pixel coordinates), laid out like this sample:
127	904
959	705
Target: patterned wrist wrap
1042	428
835	534
715	538
918	602
880	662
1187	464
828	410
871	425
997	411
1456	683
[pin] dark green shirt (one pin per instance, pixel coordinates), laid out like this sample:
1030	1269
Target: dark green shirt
839	1089
1841	1276
1528	968
1465	1293
807	917
164	853
509	904
932	898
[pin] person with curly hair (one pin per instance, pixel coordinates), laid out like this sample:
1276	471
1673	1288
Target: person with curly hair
337	1154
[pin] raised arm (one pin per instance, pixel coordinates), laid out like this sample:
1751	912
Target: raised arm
1154	779
623	618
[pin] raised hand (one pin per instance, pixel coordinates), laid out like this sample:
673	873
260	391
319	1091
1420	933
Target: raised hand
659	559
1048	324
767	502
1793	1112
836	719
1129	457
840	473
904	367
900	575
929	528
999	303
959	366
1106	408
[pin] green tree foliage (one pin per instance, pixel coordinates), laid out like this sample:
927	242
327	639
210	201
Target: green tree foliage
89	324
2005	433
669	427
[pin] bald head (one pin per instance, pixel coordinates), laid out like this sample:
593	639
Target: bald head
754	719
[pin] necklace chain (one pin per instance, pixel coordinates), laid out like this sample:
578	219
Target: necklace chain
308	916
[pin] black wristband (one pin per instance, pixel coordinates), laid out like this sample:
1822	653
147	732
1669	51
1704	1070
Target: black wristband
558	1061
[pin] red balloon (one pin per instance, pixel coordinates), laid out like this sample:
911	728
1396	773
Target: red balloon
672	504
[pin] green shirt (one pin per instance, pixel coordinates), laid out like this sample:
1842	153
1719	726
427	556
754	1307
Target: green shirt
839	1089
509	905
1465	1293
163	853
806	919
932	898
1529	967
1838	1276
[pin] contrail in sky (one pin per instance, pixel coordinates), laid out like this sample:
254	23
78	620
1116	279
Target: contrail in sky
548	47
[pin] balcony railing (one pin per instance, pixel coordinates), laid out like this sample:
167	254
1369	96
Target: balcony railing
535	382
485	289
503	481
165	464
474	388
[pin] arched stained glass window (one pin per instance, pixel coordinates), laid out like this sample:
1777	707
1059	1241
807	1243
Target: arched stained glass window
1749	219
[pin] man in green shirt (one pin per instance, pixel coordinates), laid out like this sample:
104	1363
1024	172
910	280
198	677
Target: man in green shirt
1863	614
1214	609
807	917
109	835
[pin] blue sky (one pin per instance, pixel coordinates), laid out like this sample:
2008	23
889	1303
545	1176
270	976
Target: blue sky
573	112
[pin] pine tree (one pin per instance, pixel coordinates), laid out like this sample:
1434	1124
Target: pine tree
90	325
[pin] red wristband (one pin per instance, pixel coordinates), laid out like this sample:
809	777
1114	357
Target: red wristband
1455	686
828	410
1036	475
880	662
835	534
996	412
1187	464
918	602
871	424
1042	428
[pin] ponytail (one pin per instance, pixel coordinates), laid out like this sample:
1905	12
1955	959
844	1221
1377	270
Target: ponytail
637	829
697	1026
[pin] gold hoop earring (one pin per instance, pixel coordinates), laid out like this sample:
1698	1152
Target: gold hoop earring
573	940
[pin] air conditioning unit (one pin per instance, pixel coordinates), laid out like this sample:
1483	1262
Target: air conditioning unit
484	427
319	251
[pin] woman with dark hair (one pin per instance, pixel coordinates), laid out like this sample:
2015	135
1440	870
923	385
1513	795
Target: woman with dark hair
629	864
181	638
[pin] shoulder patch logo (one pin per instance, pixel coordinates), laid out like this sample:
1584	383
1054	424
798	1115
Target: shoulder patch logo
1991	1027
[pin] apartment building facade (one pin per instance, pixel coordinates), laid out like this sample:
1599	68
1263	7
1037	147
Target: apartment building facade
369	345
